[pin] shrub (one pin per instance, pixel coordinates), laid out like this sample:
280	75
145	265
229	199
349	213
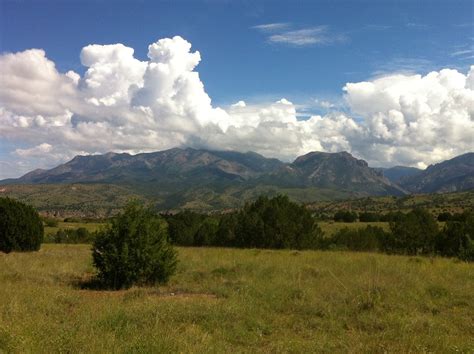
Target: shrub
183	227
206	234
21	228
80	235
456	238
445	216
345	216
276	223
134	249
225	235
369	217
413	233
369	239
391	216
50	222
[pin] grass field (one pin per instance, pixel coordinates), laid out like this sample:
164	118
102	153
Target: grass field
330	228
89	226
227	300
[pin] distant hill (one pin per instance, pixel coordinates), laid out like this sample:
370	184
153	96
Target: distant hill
209	180
452	175
396	173
170	166
203	179
343	171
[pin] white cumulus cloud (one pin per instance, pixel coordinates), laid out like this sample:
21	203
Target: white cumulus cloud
125	104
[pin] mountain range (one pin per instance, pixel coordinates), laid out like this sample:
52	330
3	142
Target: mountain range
207	179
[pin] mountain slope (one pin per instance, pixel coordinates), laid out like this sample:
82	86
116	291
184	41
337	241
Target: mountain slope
177	169
396	173
452	175
172	165
203	179
341	170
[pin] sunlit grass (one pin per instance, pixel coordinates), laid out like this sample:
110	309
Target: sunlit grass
89	226
330	228
224	300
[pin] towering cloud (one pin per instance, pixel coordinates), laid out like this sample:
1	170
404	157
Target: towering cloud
124	104
415	119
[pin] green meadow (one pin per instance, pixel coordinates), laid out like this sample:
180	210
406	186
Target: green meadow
233	300
89	226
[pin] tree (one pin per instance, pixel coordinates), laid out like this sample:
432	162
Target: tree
206	234
368	239
445	216
413	233
457	238
134	249
225	235
21	228
345	216
369	217
276	223
183	227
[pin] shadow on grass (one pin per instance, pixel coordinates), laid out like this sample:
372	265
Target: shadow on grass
89	282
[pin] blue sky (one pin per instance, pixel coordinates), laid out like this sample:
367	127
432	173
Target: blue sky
389	81
238	60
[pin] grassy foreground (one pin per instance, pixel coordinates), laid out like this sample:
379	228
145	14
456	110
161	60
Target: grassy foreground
224	300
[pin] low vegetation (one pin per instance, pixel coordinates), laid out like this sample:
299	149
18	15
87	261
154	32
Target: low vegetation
105	200
279	223
134	249
244	300
435	203
73	235
21	228
238	300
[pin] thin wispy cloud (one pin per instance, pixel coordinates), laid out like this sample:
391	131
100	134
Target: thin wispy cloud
270	27
416	25
462	52
403	66
377	27
464	25
286	33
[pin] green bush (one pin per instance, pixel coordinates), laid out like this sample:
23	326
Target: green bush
50	222
369	239
445	216
206	234
413	233
225	234
183	227
80	235
391	216
369	217
276	223
345	216
134	249
457	238
21	228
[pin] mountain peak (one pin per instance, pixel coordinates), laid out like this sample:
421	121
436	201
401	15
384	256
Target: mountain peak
179	172
451	175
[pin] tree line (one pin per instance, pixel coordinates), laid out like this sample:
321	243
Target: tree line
279	223
275	223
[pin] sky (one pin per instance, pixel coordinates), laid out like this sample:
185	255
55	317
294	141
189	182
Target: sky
389	81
